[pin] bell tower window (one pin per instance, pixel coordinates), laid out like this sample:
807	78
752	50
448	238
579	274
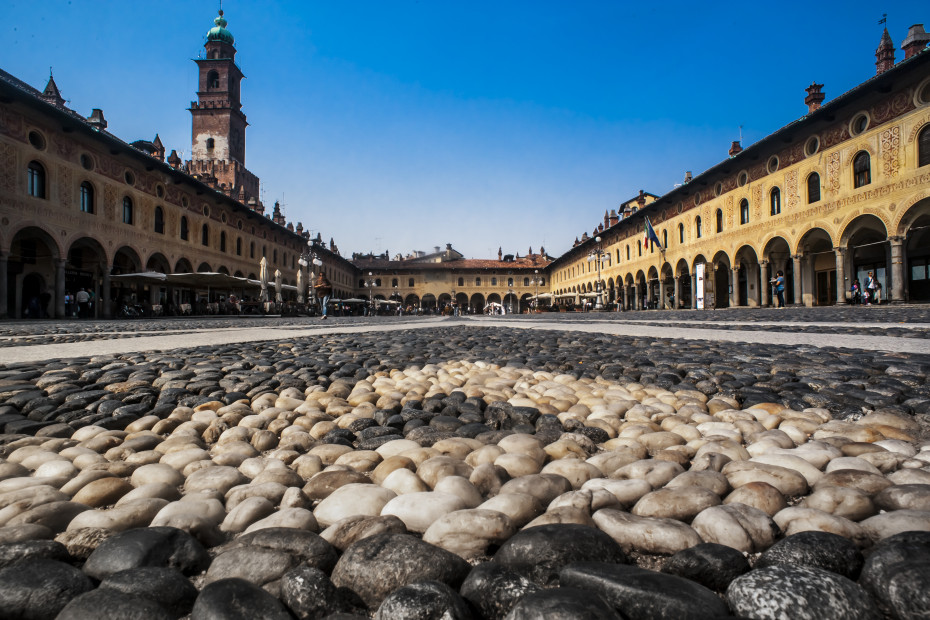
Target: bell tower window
213	80
210	144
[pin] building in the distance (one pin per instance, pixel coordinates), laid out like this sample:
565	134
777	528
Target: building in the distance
444	277
839	193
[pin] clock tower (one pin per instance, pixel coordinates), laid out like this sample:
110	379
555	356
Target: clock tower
218	123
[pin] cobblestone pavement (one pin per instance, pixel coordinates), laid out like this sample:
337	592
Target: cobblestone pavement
903	329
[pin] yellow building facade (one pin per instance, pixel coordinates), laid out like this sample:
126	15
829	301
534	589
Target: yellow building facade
838	193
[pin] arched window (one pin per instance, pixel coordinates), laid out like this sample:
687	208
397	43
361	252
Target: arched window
628	251
223	241
205	235
461	281
410	282
681	233
697	227
477	281
743	211
251	249
159	220
87	197
239	246
923	147
862	169
493	281
378	282
639	247
127	210
274	256
185	231
526	281
813	187
719	218
213	80
35	180
665	238
264	251
542	282
394	282
775	201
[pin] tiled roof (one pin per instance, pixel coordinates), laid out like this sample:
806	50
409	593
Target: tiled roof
454	265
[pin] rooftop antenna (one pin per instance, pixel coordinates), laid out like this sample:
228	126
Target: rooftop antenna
741	135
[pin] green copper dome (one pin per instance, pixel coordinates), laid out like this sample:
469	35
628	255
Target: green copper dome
219	32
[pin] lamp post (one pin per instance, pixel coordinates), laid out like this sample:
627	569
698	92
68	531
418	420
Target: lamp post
597	254
455	308
510	292
307	258
536	283
370	285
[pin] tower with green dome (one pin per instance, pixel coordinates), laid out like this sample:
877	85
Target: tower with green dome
218	124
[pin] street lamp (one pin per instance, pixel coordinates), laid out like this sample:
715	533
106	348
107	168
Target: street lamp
370	285
536	283
309	257
510	292
597	254
455	308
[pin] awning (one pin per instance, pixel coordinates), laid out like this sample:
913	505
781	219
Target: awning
194	280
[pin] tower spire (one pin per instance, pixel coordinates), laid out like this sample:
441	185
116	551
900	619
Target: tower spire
51	93
884	55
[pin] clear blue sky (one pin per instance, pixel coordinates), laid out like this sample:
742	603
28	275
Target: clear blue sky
400	125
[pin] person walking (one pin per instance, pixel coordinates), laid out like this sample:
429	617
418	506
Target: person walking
856	292
780	288
870	286
82	298
323	290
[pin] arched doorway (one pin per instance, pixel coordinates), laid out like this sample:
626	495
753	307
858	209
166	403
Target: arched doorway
722	281
461	301
867	250
777	257
747	277
412	301
428	302
34	271
87	262
818	268
915	229
476	303
683	284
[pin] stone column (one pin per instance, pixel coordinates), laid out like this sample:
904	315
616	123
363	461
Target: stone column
734	286
662	297
841	288
677	293
694	295
105	295
4	302
764	283
897	270
637	302
60	288
796	276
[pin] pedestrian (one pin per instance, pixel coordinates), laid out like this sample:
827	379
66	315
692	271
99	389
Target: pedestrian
69	301
856	292
780	288
878	292
870	286
82	298
323	290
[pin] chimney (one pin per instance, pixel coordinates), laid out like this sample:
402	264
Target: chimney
735	148
613	218
884	55
641	199
688	176
96	119
916	40
814	97
300	228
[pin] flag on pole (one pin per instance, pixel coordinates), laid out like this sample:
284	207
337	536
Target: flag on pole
649	234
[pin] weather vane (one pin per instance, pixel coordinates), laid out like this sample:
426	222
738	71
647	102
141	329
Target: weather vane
884	19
